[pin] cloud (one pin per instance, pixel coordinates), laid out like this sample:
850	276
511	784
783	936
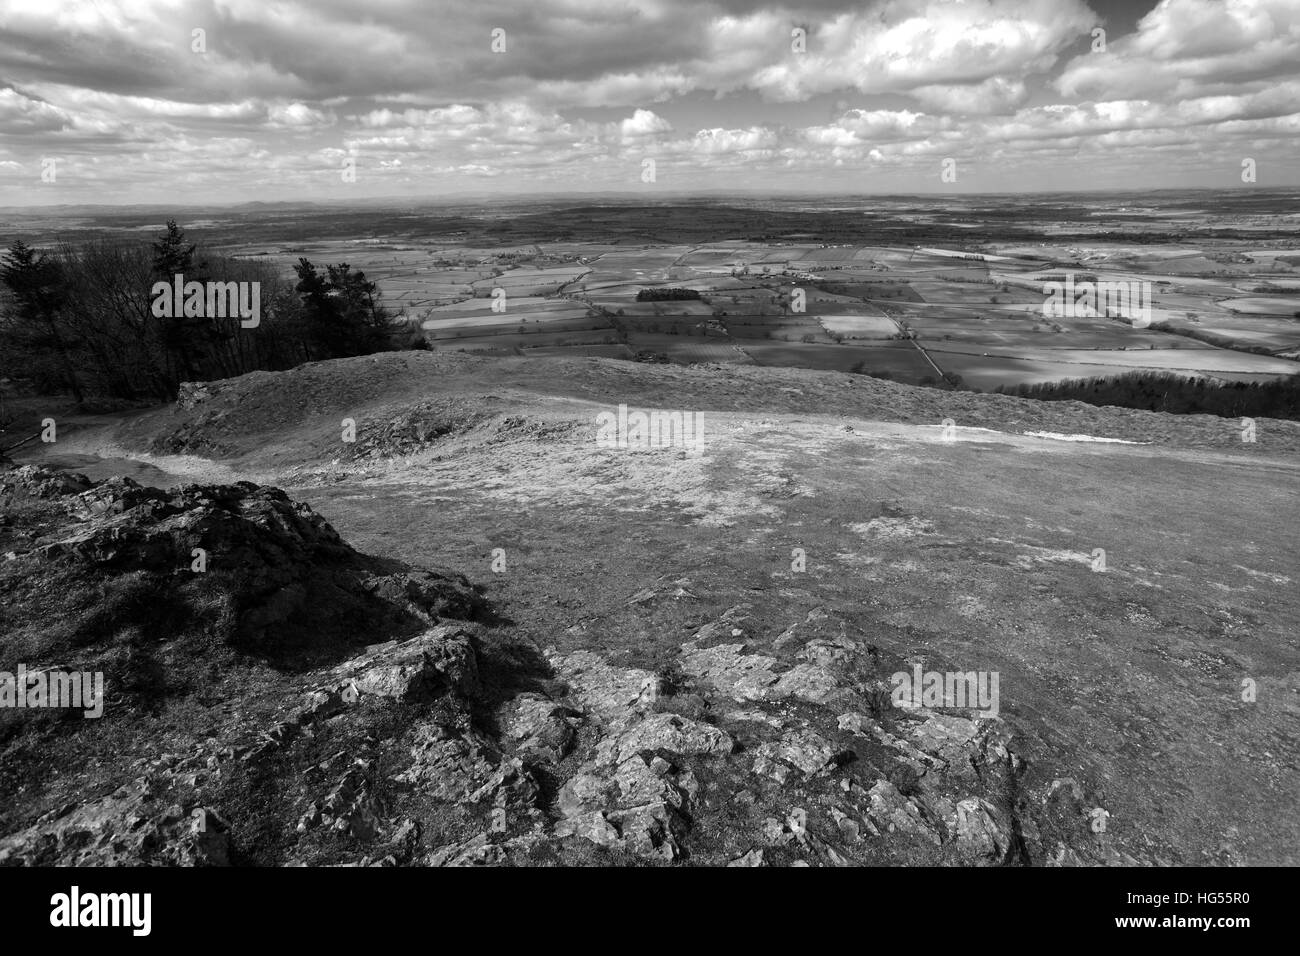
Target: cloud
642	125
21	114
586	89
993	95
297	116
1187	46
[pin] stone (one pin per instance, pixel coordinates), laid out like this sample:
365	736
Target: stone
892	810
774	832
648	830
539	727
981	833
797	821
743	677
847	826
767	767
673	733
145	822
582	792
296	576
476	851
813	683
589	826
610	694
806	750
440	661
945	736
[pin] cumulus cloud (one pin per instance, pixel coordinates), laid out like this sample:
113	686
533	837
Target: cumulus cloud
642	125
1187	46
907	44
585	89
296	116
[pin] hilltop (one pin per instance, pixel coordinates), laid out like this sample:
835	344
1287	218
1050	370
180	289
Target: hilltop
686	656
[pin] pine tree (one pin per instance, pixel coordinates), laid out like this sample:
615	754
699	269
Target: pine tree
170	253
36	284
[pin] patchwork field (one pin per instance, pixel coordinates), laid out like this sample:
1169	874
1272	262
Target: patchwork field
974	307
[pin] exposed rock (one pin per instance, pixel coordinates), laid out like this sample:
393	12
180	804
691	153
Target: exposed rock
581	792
891	810
815	684
463	767
287	578
32	481
351	807
539	727
436	663
806	750
751	677
981	833
726	669
510	787
476	851
946	737
645	802
677	590
413	740
411	430
650	830
627	783
589	826
729	625
147	822
610	694
831	653
848	827
906	753
775	833
793	635
797	821
671	732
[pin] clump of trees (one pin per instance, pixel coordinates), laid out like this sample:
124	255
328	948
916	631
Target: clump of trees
80	319
667	295
1166	392
1218	341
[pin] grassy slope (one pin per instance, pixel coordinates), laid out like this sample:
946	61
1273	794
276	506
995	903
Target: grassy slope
1128	680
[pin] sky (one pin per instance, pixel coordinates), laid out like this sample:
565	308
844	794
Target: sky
226	101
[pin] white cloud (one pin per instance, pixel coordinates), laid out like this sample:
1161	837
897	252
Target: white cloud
642	125
1185	46
297	116
587	89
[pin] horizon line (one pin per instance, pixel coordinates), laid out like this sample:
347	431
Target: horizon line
632	195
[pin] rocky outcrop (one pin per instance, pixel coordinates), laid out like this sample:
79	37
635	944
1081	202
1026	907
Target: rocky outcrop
155	819
31	481
382	732
412	430
290	583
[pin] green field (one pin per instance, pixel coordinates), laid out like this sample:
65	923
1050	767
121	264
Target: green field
978	311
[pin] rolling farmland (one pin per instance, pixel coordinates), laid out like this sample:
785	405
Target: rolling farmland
877	309
946	296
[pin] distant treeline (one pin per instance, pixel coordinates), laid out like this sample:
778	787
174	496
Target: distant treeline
1219	341
85	320
1166	392
666	295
